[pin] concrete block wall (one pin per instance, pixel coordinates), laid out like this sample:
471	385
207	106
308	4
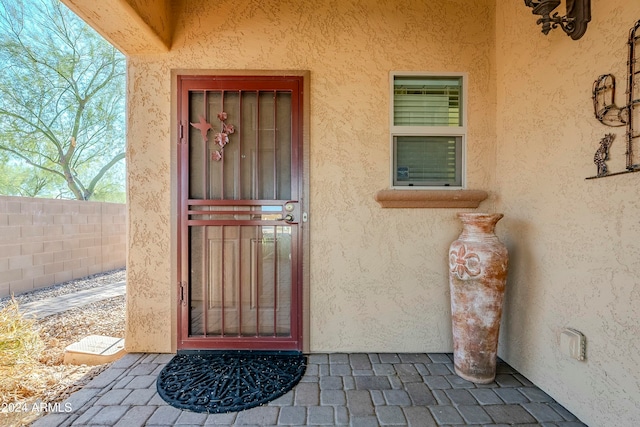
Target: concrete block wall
49	241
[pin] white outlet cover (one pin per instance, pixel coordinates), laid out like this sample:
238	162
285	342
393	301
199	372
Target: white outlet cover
573	344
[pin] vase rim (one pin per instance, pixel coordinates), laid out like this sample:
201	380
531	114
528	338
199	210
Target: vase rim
479	215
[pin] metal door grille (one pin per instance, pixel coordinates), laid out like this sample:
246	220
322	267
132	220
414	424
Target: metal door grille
239	258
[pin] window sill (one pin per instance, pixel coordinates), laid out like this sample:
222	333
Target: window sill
430	198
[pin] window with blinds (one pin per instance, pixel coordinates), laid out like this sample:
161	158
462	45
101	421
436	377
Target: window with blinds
427	160
428	130
427	101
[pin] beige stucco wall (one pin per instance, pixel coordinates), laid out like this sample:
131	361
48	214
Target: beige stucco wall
574	243
378	276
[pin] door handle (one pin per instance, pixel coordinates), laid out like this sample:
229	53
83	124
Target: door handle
286	218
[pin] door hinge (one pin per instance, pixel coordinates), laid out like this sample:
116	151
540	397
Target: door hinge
183	292
181	133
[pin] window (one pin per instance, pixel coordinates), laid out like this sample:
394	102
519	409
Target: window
428	129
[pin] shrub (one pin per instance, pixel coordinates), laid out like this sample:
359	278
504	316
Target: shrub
20	341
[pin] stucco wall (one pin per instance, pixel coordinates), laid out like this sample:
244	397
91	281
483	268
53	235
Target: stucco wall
573	242
46	241
378	276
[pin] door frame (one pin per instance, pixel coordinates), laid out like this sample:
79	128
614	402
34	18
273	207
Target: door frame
304	226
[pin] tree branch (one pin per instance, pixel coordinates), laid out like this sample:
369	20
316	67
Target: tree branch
105	168
26	159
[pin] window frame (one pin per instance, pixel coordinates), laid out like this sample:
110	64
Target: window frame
453	131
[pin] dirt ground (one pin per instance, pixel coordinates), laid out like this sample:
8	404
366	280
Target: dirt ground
27	391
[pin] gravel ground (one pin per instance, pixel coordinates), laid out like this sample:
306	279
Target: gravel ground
49	380
68	287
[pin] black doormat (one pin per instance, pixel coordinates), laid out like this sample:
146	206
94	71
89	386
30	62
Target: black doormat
228	381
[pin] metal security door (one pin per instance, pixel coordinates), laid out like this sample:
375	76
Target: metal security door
239	192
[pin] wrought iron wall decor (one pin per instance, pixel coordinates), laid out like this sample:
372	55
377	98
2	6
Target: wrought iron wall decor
602	154
574	23
608	113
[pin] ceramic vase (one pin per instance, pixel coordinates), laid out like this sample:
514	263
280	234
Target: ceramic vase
477	277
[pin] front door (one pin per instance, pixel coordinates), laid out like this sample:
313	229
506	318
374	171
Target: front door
240	184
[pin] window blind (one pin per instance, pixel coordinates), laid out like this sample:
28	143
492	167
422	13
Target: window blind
427	101
427	160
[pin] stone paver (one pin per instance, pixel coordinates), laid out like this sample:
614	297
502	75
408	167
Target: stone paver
338	389
511	395
460	397
542	412
420	394
165	415
509	414
474	414
136	416
486	396
260	416
333	398
293	415
390	415
321	415
444	414
419	416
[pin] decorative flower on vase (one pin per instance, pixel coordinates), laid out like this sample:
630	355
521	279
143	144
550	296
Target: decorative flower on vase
464	264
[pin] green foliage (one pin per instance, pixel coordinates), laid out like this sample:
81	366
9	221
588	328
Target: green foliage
62	107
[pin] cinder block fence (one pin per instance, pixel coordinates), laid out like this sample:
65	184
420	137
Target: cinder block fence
46	241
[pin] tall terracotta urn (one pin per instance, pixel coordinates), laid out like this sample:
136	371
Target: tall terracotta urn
477	276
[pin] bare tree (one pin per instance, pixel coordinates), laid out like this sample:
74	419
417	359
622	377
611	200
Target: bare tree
62	87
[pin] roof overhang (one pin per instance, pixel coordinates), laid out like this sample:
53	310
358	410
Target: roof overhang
143	29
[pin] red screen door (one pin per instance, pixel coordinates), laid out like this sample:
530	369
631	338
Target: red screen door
240	183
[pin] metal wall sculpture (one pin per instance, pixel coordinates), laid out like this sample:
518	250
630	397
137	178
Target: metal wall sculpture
608	113
574	23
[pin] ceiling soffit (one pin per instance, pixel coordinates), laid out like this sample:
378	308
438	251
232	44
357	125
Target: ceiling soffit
124	26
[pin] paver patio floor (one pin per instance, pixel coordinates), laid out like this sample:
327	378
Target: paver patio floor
376	389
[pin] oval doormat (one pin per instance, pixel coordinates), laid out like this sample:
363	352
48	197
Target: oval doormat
218	382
